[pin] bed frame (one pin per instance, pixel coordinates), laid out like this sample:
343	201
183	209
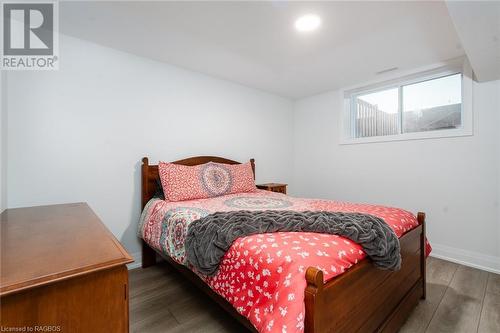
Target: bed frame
364	298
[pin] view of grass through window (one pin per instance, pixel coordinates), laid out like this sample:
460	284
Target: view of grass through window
434	104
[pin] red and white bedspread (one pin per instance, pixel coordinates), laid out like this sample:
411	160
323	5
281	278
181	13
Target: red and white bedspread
262	276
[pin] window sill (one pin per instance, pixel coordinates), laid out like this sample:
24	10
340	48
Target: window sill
438	134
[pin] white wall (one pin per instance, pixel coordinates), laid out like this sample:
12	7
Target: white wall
3	142
78	134
454	180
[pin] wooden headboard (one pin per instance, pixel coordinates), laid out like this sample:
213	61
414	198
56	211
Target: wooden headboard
150	174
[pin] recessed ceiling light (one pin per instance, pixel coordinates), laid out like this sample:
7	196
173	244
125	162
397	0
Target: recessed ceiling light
307	22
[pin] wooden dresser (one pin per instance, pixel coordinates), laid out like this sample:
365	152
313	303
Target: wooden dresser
61	270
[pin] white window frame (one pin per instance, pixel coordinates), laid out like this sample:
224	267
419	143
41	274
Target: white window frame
453	67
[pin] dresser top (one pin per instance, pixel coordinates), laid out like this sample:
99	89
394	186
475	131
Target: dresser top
44	244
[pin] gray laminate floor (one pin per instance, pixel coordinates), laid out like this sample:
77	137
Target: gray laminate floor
459	299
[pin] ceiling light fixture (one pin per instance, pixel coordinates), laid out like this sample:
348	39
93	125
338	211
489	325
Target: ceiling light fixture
307	22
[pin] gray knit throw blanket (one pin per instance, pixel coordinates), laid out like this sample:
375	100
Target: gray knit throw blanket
209	238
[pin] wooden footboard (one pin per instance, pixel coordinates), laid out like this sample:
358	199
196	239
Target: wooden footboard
367	299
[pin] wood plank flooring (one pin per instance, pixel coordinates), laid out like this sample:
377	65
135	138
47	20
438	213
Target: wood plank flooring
459	299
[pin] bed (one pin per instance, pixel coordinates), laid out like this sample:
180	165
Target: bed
359	298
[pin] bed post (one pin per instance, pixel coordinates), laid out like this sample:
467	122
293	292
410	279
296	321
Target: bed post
313	302
423	254
252	162
148	254
144	182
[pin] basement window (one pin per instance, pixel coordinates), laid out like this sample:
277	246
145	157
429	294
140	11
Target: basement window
429	104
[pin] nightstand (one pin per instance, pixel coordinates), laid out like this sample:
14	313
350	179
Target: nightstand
273	187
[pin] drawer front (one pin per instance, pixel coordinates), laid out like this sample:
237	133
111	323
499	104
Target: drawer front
94	302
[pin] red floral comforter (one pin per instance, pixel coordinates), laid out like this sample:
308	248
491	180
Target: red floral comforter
262	276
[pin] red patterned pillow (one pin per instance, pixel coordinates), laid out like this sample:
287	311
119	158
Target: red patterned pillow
207	180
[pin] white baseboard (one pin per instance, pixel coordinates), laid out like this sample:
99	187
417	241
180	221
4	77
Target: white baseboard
467	258
137	261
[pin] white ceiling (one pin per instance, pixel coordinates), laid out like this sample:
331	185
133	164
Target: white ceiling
255	44
478	26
